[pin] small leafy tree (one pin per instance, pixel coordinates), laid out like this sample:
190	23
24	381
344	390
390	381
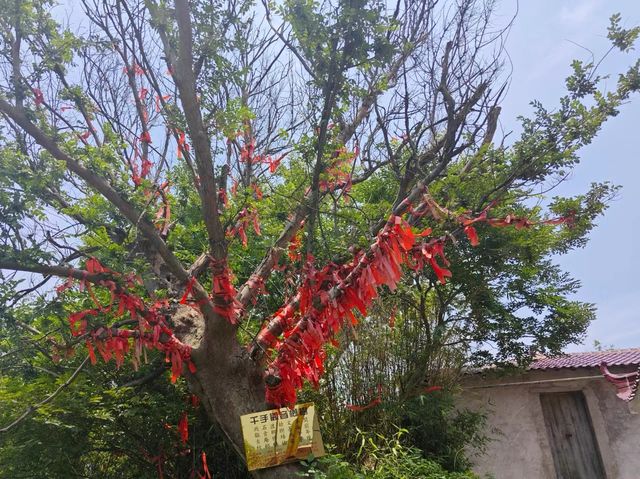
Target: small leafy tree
169	163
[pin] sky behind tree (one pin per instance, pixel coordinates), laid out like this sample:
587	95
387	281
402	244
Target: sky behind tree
546	36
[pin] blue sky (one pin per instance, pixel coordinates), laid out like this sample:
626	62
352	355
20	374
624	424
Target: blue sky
546	36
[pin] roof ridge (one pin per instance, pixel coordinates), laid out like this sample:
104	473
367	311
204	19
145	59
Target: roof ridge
603	351
613	357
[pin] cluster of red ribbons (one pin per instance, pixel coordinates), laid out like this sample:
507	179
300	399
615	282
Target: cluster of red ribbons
330	297
224	294
293	248
248	155
338	174
150	332
246	217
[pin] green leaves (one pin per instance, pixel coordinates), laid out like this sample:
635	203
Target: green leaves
336	38
581	83
232	120
384	457
621	38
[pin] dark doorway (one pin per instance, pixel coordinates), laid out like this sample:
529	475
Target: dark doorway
573	443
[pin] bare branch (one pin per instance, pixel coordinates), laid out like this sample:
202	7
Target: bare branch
186	82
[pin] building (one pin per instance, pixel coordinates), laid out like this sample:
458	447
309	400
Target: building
566	417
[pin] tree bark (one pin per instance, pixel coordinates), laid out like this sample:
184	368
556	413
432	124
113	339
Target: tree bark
227	381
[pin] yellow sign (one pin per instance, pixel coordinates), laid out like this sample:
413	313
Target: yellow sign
282	435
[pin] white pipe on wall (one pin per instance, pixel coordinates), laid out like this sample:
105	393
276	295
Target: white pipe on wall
541	381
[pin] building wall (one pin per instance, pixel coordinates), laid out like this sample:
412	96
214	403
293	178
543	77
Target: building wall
519	446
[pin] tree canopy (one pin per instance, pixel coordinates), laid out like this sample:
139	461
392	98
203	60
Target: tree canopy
233	192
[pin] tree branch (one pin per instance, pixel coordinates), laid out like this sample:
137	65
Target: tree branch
186	83
31	409
101	185
249	289
49	270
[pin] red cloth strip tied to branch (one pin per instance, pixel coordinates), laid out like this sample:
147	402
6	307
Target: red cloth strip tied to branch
326	302
378	399
183	428
247	218
224	294
38	96
150	332
206	474
281	321
300	355
183	146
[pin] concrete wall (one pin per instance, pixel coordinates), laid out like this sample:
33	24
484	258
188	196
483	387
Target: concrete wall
520	448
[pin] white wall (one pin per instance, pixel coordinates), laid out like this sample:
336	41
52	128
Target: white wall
520	448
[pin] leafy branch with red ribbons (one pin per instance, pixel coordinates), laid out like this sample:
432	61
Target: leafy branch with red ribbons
295	337
149	330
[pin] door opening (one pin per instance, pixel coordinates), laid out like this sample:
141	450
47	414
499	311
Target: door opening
574	446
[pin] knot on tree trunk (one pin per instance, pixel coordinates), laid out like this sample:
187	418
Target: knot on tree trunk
188	324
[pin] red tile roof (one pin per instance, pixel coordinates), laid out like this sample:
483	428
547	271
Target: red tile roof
614	357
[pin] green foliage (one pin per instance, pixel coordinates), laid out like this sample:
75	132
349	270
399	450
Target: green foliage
99	428
449	436
349	34
382	458
620	37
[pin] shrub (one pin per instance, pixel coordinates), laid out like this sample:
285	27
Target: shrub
444	434
382	458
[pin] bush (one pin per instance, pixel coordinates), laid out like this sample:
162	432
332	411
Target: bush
382	458
442	432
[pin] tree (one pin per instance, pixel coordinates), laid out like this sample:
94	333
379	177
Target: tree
142	154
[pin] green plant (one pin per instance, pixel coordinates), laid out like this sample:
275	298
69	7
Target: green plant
332	466
444	433
382	457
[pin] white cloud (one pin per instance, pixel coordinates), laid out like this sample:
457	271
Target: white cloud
578	12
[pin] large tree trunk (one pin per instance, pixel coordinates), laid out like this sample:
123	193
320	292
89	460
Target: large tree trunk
227	381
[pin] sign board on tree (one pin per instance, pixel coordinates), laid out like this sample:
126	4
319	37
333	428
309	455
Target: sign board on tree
278	436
